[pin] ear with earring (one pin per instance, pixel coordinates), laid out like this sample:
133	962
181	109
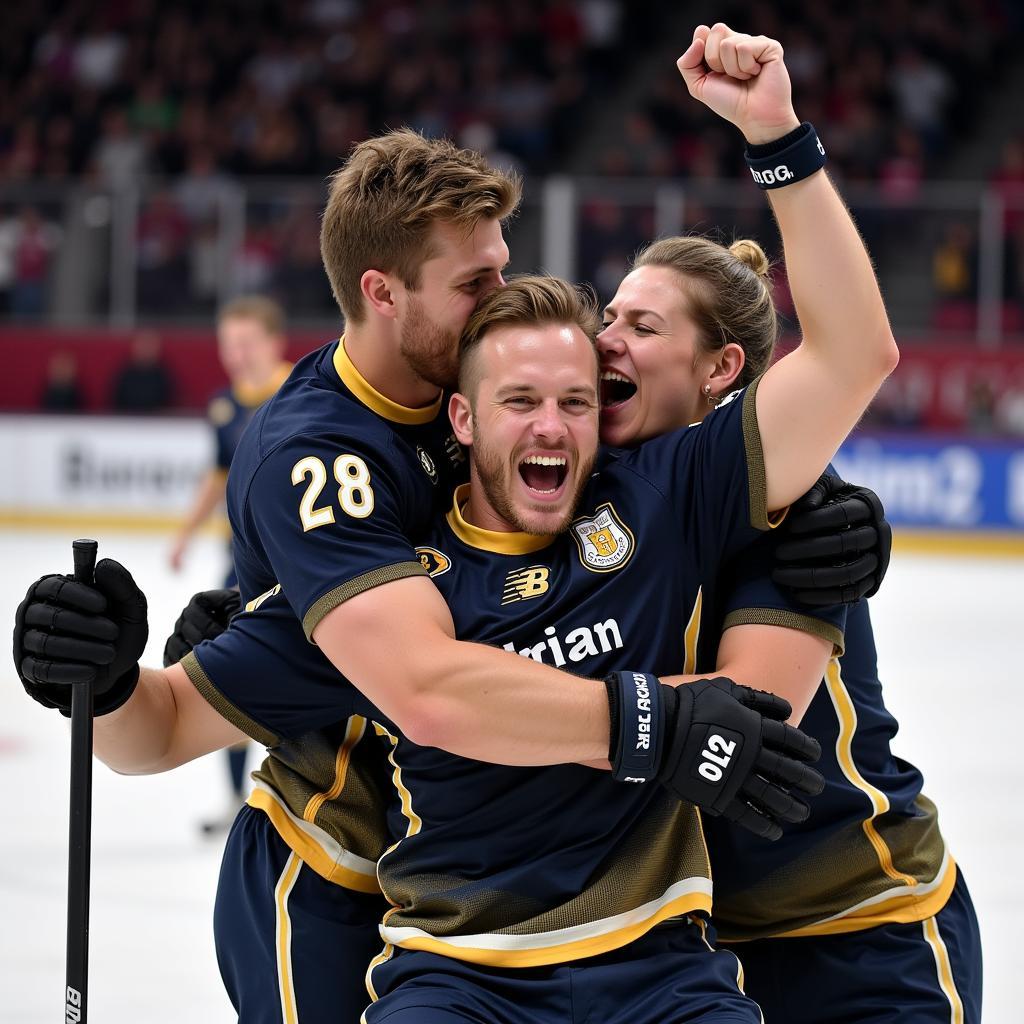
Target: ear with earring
712	400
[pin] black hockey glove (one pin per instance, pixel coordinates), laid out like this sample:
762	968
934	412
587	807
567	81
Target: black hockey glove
834	545
66	632
206	616
723	747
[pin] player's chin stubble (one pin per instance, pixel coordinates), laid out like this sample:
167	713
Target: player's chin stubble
430	351
495	474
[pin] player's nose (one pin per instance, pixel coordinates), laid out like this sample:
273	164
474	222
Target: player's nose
609	342
549	422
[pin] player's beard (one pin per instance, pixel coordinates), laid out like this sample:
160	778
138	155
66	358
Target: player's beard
430	351
495	472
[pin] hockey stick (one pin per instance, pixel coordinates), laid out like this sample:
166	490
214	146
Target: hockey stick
79	823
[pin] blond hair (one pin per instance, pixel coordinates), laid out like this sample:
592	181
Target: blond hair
384	200
530	300
728	294
266	312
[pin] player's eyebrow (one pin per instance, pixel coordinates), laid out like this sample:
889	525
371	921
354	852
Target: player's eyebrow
633	314
513	389
518	389
490	268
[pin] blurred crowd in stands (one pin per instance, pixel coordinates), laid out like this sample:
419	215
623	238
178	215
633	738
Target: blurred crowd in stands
209	109
202	95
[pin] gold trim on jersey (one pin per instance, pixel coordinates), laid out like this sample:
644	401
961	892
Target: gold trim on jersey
908	899
847	715
791	620
253	397
757	486
691	635
511	543
415	821
944	969
251	606
381	958
373	399
339	595
285	977
325	855
564	944
903	904
354	730
201	681
756	483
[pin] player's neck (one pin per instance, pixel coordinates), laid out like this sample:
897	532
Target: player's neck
375	355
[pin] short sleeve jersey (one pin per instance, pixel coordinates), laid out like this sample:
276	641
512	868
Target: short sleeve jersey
329	483
529	866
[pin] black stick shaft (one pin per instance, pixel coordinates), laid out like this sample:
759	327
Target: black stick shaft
79	822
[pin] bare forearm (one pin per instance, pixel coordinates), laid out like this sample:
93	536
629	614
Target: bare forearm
832	281
133	739
787	662
491	705
396	644
165	723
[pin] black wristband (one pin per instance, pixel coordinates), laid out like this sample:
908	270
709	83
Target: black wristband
637	714
797	155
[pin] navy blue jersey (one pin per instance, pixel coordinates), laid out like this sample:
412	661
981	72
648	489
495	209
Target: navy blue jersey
871	851
228	413
230	410
328	484
520	866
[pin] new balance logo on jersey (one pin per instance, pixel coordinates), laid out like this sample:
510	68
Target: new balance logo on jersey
577	645
522	584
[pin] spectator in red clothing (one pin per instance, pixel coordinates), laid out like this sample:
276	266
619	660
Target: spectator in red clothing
34	243
163	234
1008	180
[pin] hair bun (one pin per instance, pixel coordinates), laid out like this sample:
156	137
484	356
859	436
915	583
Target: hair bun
749	252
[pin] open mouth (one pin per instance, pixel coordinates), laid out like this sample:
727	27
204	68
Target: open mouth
616	389
544	474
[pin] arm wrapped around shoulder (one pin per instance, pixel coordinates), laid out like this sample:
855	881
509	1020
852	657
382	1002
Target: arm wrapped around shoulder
834	545
723	747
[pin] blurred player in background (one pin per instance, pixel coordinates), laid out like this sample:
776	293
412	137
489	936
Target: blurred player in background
251	345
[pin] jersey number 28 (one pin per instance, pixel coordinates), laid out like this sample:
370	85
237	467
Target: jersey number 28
355	495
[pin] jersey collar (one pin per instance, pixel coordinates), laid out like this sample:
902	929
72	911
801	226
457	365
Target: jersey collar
253	397
373	399
491	540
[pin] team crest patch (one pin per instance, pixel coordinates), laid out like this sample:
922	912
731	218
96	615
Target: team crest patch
435	562
604	541
427	463
220	411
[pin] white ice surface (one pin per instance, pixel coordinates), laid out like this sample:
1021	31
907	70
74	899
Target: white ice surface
946	627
